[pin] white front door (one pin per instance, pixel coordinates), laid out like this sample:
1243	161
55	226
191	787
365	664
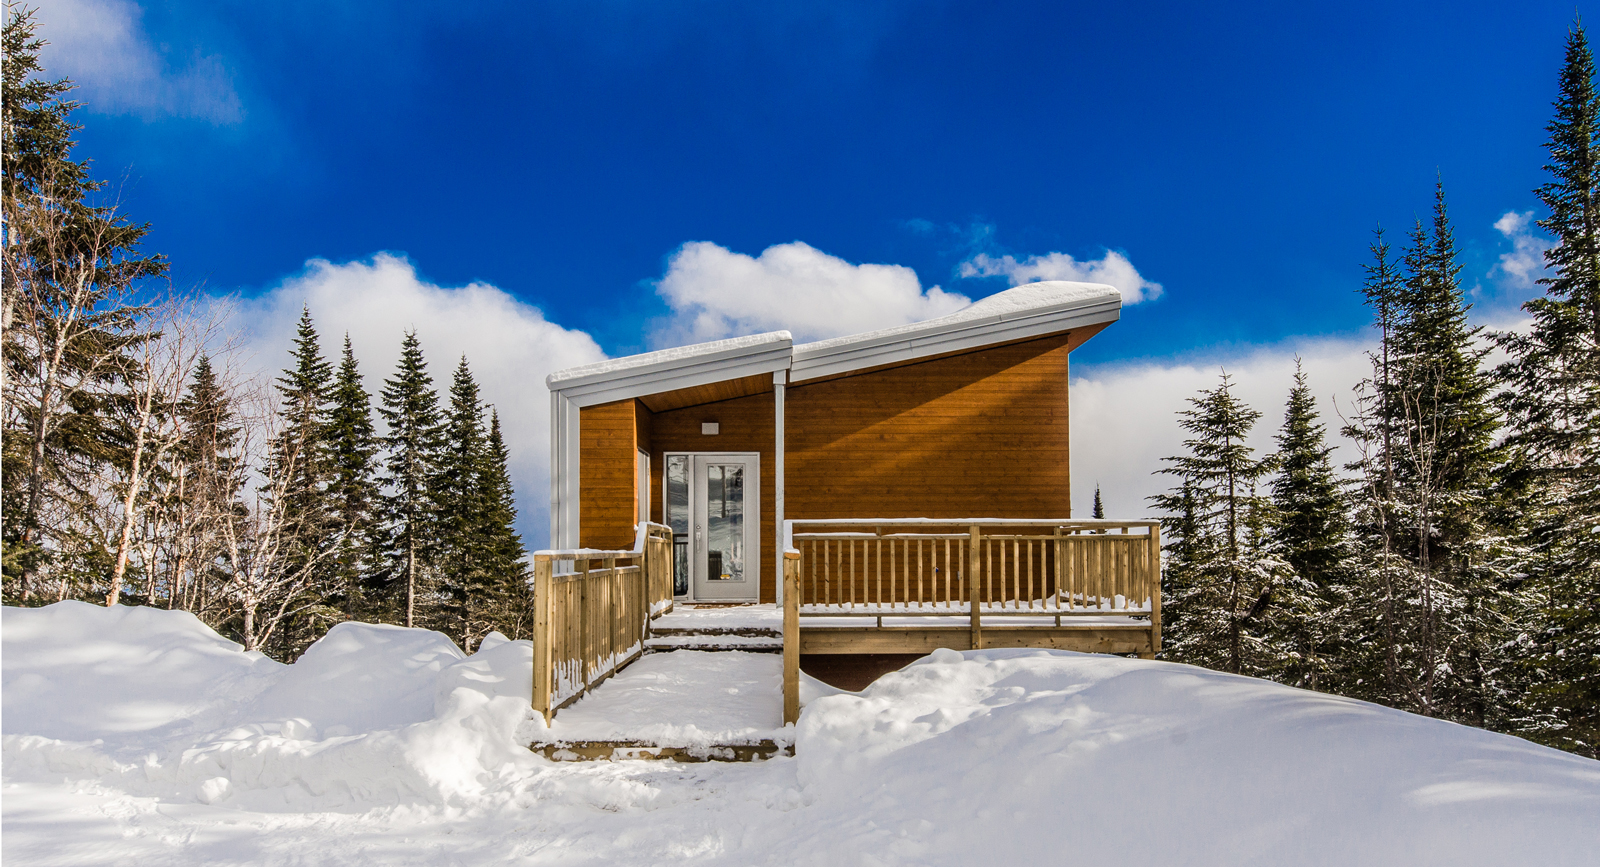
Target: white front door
714	506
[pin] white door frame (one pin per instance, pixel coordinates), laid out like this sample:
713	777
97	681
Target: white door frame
752	514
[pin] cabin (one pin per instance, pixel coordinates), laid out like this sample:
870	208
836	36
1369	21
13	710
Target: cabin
891	492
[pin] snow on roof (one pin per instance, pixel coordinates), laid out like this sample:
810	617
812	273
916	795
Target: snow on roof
665	358
1032	310
1028	300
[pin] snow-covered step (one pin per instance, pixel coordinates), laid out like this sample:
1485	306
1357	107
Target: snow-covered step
754	641
684	707
752	628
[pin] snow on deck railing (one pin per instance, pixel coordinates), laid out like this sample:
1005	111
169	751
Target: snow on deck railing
1095	584
1012	566
590	619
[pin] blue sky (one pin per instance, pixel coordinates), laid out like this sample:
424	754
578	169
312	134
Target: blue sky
1236	155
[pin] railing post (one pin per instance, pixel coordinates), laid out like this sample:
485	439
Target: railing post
543	603
1155	592
972	586
585	639
791	637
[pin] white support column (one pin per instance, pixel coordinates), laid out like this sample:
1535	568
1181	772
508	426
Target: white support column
779	381
564	433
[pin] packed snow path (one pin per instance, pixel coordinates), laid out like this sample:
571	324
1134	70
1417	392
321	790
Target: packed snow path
136	736
685	698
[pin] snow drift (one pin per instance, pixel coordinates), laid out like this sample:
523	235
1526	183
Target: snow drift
157	741
160	703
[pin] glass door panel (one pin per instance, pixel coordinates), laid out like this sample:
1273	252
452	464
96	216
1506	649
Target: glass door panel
712	506
725	522
676	512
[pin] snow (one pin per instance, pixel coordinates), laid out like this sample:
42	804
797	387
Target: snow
686	698
668	357
720	617
696	640
1028	299
140	736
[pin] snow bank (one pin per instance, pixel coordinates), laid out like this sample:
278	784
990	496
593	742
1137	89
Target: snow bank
140	736
160	703
1070	758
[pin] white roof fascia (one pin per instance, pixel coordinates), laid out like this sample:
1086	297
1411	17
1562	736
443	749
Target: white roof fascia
833	357
675	369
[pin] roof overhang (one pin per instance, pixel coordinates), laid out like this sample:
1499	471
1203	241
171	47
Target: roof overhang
676	369
1021	313
982	324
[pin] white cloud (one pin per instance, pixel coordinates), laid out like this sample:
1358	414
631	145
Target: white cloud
1113	268
1124	416
101	45
1520	268
509	345
715	293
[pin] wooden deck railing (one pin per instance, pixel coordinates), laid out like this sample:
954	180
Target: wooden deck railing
1022	575
908	567
591	610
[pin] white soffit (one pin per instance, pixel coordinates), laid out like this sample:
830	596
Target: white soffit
1033	310
670	369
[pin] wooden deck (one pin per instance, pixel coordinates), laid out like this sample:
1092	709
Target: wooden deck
864	586
915	585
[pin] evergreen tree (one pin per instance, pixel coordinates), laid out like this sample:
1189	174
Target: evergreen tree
1434	589
300	451
211	478
1225	586
1099	509
352	494
1551	397
410	409
508	597
300	458
1310	530
69	320
464	505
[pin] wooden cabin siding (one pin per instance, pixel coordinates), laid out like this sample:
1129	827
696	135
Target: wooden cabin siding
746	425
983	434
606	445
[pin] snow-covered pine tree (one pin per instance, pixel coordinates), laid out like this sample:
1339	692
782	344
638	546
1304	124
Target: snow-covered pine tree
352	489
464	505
209	477
1223	585
410	408
1431	600
1551	397
1311	531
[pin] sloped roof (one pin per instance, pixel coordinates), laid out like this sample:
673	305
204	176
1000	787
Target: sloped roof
1032	310
1020	313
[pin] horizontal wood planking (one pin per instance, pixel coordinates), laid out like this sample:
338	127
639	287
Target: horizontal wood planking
746	424
607	434
981	433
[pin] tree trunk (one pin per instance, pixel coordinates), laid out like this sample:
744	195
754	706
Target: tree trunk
411	581
125	539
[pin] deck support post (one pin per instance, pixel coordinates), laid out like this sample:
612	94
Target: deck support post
974	540
543	602
791	637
